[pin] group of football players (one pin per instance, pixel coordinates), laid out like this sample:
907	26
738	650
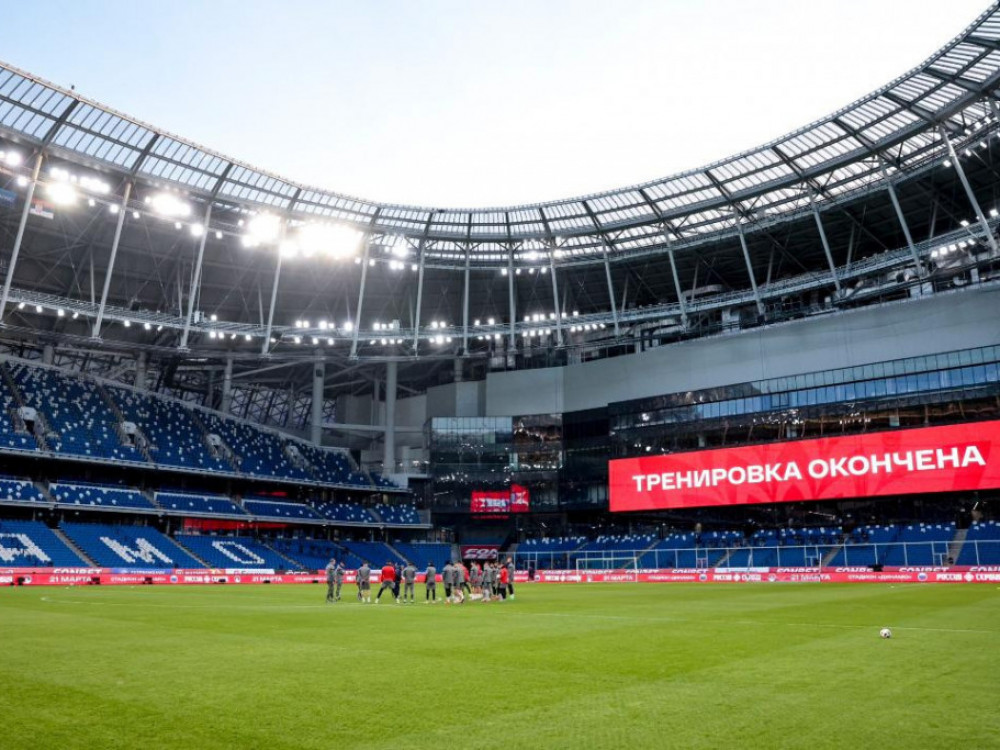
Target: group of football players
491	581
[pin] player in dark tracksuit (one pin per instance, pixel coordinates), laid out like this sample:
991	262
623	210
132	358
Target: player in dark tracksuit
331	577
409	576
510	577
430	584
446	580
338	580
398	580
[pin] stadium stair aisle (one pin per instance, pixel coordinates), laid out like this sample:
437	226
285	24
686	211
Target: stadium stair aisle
957	542
73	546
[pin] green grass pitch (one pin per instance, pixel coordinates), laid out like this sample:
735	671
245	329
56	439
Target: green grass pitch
562	666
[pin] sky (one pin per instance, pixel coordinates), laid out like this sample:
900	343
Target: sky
474	103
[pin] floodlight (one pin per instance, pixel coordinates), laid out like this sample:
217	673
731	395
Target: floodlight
197	230
262	229
12	159
61	193
169	206
348	326
400	248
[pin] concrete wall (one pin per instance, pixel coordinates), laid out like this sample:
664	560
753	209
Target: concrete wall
907	329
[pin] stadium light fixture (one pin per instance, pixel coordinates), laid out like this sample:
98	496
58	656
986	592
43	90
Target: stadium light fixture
169	206
20	305
38	309
247	337
218	235
197	230
22	181
61	313
147	326
262	229
503	271
491	321
61	193
400	248
113	208
135	214
993	213
75	315
12	158
127	323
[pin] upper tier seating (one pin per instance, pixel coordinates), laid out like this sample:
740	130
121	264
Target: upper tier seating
345	512
233	552
97	495
10	436
132	546
21	490
175	437
80	422
259	452
331	466
198	504
398	515
420	553
282	511
32	544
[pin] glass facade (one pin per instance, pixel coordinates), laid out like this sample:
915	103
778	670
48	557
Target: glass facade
492	453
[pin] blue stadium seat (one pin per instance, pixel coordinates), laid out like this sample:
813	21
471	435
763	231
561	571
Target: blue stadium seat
94	495
127	546
233	552
398	515
32	544
198	504
419	553
262	508
345	512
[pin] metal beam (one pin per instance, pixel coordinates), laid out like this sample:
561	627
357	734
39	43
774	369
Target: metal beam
122	210
824	240
361	298
983	224
611	292
555	294
677	279
902	222
29	196
196	280
465	304
274	299
746	258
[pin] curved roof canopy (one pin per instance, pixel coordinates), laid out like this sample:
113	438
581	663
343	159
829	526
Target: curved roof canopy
899	127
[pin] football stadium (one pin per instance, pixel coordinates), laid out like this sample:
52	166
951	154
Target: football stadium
709	459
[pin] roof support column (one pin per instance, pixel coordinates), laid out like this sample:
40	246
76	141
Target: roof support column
29	196
611	291
389	457
96	333
227	385
510	297
361	300
826	243
983	224
555	295
677	279
274	299
420	298
316	421
746	258
465	304
902	222
196	282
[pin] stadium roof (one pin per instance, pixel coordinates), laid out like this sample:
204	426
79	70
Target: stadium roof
896	128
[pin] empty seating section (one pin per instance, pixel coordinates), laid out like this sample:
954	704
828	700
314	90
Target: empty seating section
920	544
31	544
198	505
79	421
398	515
175	437
865	545
982	544
376	553
332	466
677	551
420	553
382	482
128	546
345	512
549	553
97	495
233	552
284	511
13	434
20	490
314	554
259	452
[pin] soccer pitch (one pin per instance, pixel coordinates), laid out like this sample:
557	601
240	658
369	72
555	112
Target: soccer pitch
561	666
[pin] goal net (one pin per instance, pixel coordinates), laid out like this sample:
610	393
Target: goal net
624	561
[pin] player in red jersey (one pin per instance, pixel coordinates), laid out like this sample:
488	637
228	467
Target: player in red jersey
388	581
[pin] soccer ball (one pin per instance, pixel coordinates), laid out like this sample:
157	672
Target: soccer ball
885	633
